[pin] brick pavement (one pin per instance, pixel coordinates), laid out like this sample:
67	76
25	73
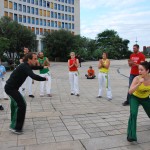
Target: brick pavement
66	122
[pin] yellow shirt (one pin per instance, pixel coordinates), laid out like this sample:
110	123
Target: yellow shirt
103	69
142	91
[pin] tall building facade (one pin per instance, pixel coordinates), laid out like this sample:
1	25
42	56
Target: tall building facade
43	15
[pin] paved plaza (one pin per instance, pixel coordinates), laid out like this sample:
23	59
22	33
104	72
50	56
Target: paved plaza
68	122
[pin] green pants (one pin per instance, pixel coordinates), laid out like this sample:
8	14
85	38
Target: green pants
134	105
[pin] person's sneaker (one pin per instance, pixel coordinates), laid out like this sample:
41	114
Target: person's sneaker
125	103
32	96
49	95
130	140
109	99
77	95
1	107
16	131
72	94
99	97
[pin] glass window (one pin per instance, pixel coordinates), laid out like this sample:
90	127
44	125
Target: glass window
44	22
55	23
69	8
28	1
24	8
59	16
62	24
40	2
56	15
66	8
24	0
52	23
52	14
41	22
62	7
36	2
69	17
66	16
69	1
32	10
15	6
62	1
73	2
48	23
37	30
48	4
69	25
65	1
15	17
66	25
58	6
37	21
72	26
44	3
20	18
55	6
24	19
28	9
62	16
72	18
20	7
33	20
32	1
72	9
36	11
29	20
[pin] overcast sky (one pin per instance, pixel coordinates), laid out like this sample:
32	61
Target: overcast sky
130	18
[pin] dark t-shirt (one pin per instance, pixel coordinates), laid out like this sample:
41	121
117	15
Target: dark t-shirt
20	74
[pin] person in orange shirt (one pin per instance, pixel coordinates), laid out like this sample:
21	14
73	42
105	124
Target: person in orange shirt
91	73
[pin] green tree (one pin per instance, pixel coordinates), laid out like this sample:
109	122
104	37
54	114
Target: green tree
110	42
58	44
18	36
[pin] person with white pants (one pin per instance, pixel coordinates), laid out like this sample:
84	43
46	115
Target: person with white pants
73	64
43	61
103	76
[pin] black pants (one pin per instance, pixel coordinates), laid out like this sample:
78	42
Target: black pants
18	109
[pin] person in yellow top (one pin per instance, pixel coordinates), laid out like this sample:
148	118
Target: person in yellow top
103	76
140	90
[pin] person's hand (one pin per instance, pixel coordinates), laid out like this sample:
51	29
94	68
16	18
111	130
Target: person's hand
130	62
46	78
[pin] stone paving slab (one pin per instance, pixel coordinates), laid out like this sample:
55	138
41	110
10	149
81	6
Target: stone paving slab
65	122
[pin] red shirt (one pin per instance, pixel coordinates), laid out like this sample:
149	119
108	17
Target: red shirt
137	58
73	68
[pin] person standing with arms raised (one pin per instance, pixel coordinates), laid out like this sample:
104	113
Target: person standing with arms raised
135	59
73	64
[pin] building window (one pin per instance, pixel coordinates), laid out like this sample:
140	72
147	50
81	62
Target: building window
11	15
69	25
29	20
48	13
20	7
44	22
58	6
69	8
41	22
15	6
72	9
28	1
36	2
65	1
20	18
62	16
24	0
62	1
63	25
6	13
48	23
40	2
52	14
41	31
33	29
44	13
32	1
36	11
15	17
69	17
66	8
24	8
56	24
72	26
69	1
56	15
62	7
66	17
24	19
33	20
10	5
37	30
48	4
52	23
28	9
6	3
41	12
55	6
72	2
59	16
37	21
32	10
44	3
72	18
66	25
59	24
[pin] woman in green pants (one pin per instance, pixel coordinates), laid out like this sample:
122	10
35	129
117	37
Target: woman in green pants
140	90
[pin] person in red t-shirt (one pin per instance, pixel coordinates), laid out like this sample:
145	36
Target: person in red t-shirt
73	64
135	59
91	73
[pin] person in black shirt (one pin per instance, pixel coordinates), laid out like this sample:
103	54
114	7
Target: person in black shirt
16	79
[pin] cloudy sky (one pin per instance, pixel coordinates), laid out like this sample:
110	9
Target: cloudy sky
130	18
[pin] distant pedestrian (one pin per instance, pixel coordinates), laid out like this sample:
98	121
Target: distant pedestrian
45	72
140	91
135	59
16	79
103	76
73	64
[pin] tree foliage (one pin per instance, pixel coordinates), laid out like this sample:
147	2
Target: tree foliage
17	36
